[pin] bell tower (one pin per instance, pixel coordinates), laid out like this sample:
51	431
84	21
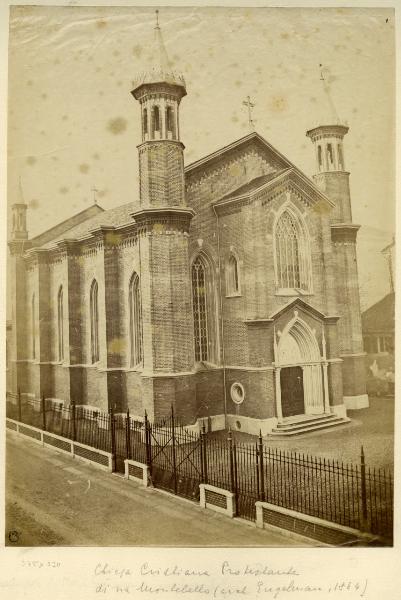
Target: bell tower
159	91
163	221
332	177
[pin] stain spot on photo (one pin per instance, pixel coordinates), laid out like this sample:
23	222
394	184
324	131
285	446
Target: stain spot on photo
117	125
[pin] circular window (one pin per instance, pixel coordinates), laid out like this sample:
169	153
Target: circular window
237	393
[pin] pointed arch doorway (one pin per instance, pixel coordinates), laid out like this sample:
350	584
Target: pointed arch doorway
301	377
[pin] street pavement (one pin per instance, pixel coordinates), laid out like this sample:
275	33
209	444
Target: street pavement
54	499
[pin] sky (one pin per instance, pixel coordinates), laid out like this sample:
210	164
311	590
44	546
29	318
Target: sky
73	124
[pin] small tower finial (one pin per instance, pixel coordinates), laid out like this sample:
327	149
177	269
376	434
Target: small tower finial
94	190
157	18
249	106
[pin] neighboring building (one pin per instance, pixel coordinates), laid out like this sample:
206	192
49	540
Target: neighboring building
228	288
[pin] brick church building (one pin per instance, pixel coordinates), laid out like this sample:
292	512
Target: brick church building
227	288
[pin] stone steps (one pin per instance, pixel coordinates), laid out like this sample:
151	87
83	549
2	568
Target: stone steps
307	424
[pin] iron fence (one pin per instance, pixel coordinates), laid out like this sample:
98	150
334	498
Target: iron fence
179	460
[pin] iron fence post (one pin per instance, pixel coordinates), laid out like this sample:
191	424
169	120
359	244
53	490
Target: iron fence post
204	453
19	406
113	437
173	446
43	413
74	424
261	469
128	434
364	523
233	468
148	445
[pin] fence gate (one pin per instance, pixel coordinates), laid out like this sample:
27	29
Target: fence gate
175	457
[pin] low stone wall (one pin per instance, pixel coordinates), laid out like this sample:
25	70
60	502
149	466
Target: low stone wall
137	471
100	458
217	499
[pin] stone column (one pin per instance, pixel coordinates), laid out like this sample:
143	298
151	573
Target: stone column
279	411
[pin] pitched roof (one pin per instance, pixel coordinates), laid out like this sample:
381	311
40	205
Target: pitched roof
120	215
380	317
60	229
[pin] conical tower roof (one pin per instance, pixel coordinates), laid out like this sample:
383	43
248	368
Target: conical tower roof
159	69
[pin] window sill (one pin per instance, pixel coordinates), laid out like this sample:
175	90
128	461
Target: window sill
206	366
292	292
234	295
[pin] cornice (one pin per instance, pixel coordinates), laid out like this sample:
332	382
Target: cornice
343	233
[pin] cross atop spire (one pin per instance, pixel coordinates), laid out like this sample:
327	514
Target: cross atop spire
159	69
94	190
250	105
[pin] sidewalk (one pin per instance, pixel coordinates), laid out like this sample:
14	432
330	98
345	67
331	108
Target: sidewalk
52	499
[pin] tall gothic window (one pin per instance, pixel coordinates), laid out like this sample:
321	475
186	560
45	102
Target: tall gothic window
135	313
292	253
199	294
232	276
60	324
340	157
33	323
94	322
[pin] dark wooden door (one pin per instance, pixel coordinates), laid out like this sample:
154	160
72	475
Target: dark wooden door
292	391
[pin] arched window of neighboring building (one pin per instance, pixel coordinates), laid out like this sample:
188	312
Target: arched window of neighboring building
292	253
94	321
135	313
60	324
232	276
170	122
319	157
145	122
33	323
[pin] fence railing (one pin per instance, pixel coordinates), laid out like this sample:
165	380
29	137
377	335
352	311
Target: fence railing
353	495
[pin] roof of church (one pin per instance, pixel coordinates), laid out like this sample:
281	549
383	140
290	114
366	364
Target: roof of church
380	317
118	216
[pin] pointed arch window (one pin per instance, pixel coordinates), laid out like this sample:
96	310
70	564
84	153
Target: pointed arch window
60	324
135	313
204	303
33	323
292	253
94	322
232	277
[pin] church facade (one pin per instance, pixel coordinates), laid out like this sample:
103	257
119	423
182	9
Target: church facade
228	290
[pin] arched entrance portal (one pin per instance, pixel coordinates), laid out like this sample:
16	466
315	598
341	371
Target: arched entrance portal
299	381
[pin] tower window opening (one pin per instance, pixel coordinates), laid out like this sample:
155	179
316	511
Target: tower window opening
330	158
156	119
319	157
145	122
170	122
340	157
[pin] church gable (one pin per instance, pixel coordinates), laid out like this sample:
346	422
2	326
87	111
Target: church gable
230	168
